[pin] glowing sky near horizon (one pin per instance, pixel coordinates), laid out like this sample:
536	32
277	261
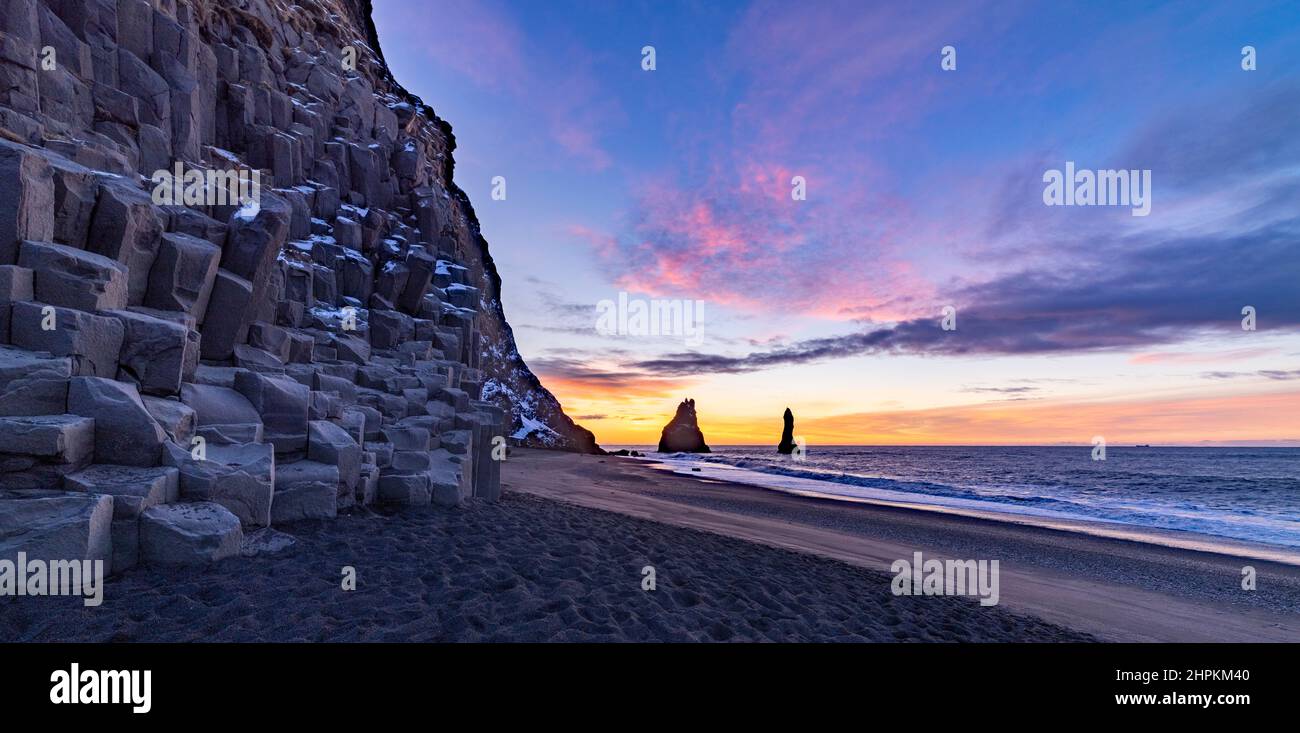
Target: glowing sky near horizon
924	189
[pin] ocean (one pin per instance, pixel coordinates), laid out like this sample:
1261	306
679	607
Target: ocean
1247	494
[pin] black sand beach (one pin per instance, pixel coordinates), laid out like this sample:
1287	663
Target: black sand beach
526	569
1116	590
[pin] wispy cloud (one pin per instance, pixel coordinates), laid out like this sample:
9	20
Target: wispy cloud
1026	278
811	90
1106	285
1203	357
1000	390
1280	375
1177	290
580	377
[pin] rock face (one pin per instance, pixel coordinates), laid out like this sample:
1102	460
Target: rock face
188	534
786	446
682	433
205	354
55	525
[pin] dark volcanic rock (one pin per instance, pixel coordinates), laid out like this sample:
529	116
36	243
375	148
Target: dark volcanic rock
786	446
244	341
682	433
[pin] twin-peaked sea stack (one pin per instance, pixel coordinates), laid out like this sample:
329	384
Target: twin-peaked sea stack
786	446
682	433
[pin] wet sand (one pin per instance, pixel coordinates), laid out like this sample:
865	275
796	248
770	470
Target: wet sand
1114	589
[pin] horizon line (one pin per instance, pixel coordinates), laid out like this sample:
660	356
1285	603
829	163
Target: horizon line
1276	444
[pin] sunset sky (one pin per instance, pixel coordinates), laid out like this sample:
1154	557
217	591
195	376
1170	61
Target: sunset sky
924	189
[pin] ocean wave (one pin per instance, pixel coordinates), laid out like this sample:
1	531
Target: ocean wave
1238	507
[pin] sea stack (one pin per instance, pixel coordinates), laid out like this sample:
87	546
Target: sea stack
786	446
682	433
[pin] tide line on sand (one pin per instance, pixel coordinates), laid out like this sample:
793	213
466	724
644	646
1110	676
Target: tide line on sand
1115	589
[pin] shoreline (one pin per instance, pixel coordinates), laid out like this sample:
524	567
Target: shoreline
1174	538
562	557
1115	589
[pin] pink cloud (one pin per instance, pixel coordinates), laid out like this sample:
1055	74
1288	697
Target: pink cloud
1213	357
727	229
739	239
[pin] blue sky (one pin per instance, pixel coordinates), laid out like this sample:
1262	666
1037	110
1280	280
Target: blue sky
924	189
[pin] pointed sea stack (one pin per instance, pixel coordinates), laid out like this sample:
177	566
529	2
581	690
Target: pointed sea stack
786	447
682	433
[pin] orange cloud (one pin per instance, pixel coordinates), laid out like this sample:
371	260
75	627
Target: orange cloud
620	406
1259	417
624	388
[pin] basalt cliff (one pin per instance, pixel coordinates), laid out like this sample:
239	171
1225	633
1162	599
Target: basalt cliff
183	361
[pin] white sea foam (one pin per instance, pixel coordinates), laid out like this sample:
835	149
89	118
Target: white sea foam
1221	514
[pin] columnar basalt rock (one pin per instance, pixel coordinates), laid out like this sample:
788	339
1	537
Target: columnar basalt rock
58	525
74	278
194	533
176	370
92	342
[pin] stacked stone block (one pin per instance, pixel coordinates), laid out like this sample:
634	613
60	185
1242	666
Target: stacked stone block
175	373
